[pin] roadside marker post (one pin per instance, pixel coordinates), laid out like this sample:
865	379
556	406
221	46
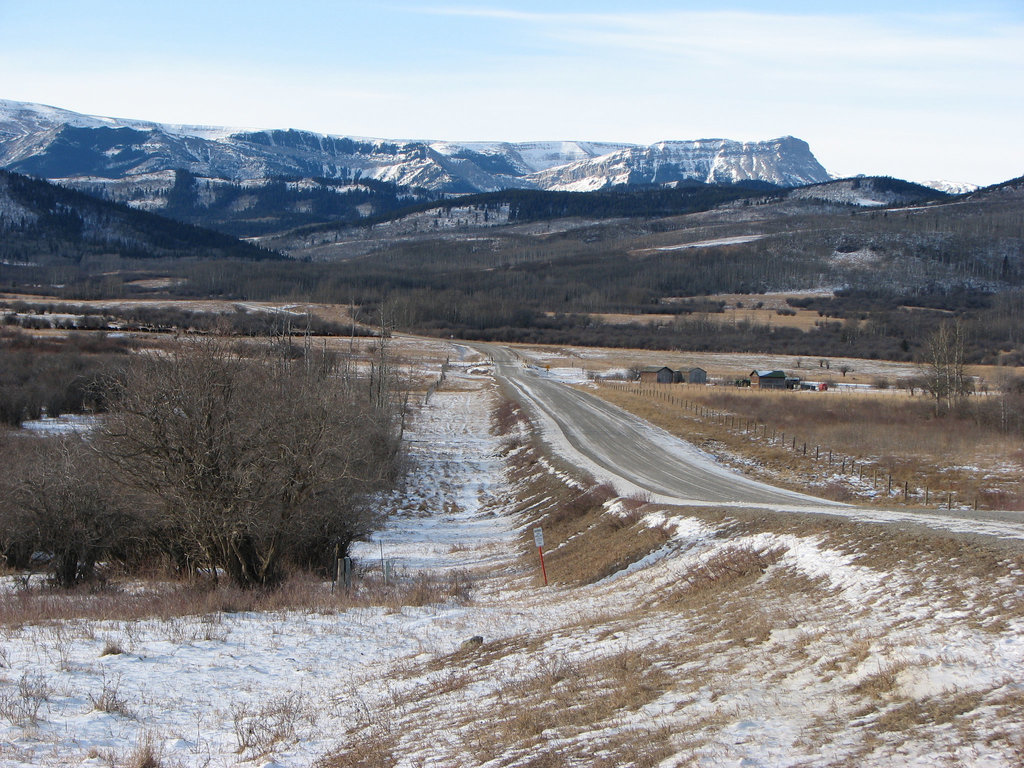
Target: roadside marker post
538	540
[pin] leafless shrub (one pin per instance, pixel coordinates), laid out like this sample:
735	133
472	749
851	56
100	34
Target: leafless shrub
60	642
110	699
247	466
20	706
260	730
58	503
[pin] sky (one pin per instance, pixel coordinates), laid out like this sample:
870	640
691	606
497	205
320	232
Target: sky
913	89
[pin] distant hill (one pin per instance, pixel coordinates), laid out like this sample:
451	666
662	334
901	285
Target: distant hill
45	224
870	192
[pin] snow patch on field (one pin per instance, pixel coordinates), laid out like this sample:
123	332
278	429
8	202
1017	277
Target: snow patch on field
711	243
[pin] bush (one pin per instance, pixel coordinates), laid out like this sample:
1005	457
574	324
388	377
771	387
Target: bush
57	503
246	465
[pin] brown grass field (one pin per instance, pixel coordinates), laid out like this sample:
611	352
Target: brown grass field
845	445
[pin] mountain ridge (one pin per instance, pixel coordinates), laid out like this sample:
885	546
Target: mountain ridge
55	143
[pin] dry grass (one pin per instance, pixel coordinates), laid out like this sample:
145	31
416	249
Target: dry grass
964	571
883	681
744	620
146	754
564	698
111	648
167	600
915	714
730	569
372	742
802	319
585	541
854	442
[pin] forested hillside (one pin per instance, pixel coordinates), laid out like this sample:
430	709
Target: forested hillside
43	221
566	267
55	237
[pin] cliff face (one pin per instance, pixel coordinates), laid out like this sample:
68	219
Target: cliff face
57	144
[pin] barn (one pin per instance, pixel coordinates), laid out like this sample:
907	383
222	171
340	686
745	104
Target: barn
653	374
694	376
768	379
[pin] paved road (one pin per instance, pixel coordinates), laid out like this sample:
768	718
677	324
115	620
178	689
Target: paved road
615	444
629	448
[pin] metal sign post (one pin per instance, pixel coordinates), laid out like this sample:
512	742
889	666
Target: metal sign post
538	539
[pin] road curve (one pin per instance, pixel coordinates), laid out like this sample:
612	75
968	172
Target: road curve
629	449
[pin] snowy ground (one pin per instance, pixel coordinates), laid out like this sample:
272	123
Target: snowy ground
741	641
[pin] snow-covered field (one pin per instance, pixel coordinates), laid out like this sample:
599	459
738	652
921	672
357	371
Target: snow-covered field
744	640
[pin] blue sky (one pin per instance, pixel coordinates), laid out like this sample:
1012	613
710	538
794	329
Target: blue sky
920	90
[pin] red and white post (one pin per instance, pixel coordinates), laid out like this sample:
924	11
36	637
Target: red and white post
538	539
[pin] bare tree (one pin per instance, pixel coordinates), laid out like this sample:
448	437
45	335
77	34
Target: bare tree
249	464
945	375
59	505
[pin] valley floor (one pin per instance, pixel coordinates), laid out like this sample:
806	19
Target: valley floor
685	636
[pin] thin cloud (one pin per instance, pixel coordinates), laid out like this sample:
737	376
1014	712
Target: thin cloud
848	36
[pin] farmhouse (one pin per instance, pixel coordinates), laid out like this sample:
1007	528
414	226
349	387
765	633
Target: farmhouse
768	379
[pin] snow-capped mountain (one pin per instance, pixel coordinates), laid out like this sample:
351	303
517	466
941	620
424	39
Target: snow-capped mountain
55	143
785	161
952	187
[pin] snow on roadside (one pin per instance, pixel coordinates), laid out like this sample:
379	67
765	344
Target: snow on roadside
203	689
191	684
449	511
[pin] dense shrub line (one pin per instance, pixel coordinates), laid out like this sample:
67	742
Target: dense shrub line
154	318
211	460
53	376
